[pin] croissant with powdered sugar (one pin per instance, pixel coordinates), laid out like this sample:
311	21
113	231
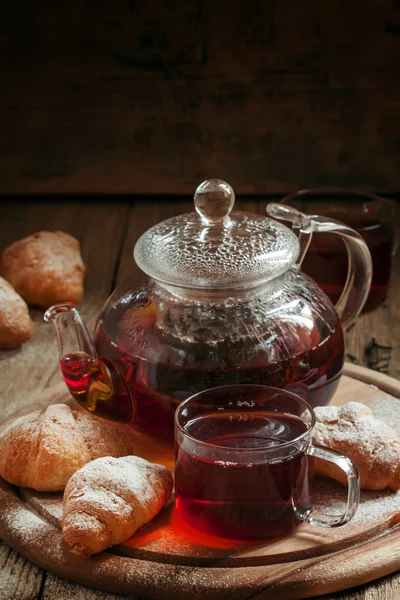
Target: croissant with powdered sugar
372	445
107	500
43	449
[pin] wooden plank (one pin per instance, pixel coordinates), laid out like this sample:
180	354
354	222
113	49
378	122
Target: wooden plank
393	340
100	229
383	589
62	589
143	216
374	341
370	329
153	98
19	578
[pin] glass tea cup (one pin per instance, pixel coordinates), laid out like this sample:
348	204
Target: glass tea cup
375	218
241	463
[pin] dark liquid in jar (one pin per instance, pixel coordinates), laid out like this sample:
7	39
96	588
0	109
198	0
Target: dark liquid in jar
159	386
236	498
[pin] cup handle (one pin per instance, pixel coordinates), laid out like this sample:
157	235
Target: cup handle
353	487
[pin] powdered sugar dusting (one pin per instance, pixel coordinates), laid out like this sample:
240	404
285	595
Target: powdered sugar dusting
330	498
25	524
17	423
47	505
69	438
387	408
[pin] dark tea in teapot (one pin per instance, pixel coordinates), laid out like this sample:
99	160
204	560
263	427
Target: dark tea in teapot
301	354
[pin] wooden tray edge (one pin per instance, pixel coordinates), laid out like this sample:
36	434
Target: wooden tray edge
116	574
384	382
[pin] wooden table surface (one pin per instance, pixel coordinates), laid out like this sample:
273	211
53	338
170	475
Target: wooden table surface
107	230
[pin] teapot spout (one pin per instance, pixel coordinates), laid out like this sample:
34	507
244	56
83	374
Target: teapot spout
96	383
72	334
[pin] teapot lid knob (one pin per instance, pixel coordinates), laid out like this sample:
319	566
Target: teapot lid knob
214	200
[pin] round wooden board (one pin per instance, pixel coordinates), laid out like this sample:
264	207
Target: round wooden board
166	559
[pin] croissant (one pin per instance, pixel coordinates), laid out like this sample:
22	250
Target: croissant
107	500
371	444
43	449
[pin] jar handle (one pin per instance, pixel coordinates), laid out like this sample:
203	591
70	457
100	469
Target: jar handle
359	274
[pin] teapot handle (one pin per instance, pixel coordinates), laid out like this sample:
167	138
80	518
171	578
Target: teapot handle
359	274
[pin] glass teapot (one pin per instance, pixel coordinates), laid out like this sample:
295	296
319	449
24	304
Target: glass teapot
226	303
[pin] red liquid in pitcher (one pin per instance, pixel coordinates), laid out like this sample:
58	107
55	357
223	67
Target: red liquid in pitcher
100	388
158	387
249	498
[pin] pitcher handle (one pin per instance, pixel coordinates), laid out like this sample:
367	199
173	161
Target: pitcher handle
359	274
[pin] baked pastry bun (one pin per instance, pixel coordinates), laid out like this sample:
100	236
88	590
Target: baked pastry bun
372	445
16	326
107	500
45	268
43	449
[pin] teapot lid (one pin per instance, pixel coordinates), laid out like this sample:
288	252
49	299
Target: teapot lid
215	247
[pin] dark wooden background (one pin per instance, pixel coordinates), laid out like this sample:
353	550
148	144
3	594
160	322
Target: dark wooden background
139	96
